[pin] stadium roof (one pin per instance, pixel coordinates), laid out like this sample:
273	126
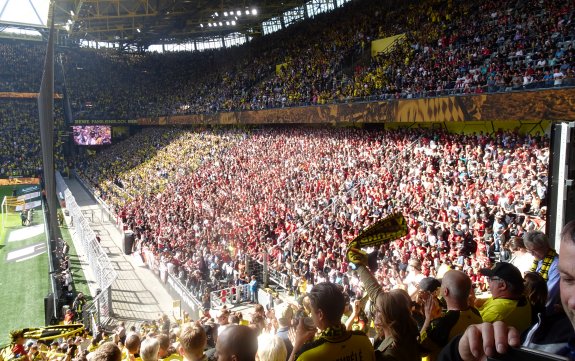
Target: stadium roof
145	22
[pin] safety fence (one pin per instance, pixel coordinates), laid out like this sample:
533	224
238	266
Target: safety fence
100	309
230	296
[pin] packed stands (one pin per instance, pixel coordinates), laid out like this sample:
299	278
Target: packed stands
20	153
202	200
315	189
449	48
22	64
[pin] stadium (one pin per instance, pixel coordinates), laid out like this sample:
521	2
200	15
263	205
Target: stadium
286	179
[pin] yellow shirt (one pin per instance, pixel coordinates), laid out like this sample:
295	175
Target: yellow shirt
516	313
173	357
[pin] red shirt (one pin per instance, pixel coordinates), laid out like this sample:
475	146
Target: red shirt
19	350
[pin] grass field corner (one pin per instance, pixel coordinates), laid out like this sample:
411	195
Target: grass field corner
24	271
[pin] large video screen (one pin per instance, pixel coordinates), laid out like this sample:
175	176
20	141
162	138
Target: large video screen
92	134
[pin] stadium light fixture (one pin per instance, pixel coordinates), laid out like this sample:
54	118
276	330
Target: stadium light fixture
216	14
247	12
210	25
235	17
138	30
227	23
220	23
225	13
201	25
254	12
238	13
233	22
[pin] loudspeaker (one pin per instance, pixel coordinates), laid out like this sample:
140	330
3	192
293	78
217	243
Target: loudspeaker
49	309
128	242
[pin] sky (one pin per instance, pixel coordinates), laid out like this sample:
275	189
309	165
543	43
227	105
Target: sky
22	11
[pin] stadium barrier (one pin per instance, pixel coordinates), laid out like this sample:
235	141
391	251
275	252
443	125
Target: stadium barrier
52	302
188	301
451	105
229	296
100	309
107	215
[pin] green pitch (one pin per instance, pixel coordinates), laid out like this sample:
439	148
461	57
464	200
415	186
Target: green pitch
24	268
23	272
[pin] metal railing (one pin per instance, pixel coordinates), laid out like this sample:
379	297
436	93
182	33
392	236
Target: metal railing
188	301
99	311
85	241
107	214
230	296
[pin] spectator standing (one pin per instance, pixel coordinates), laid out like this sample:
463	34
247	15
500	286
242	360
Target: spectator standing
149	349
78	305
520	257
253	289
285	316
108	351
334	341
271	348
393	320
167	352
132	347
555	336
507	302
546	262
435	334
193	341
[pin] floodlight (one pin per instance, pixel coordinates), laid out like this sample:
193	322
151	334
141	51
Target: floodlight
220	23
233	22
201	25
238	13
225	13
227	23
210	25
247	12
216	13
138	30
254	12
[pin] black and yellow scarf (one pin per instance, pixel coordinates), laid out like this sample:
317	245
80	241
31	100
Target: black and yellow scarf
333	332
545	265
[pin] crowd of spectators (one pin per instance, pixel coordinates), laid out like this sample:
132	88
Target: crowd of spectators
449	48
20	148
302	194
326	322
502	47
154	157
22	65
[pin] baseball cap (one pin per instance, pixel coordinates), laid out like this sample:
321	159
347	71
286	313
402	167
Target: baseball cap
429	284
505	271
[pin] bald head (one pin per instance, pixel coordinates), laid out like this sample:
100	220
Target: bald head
237	340
457	286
